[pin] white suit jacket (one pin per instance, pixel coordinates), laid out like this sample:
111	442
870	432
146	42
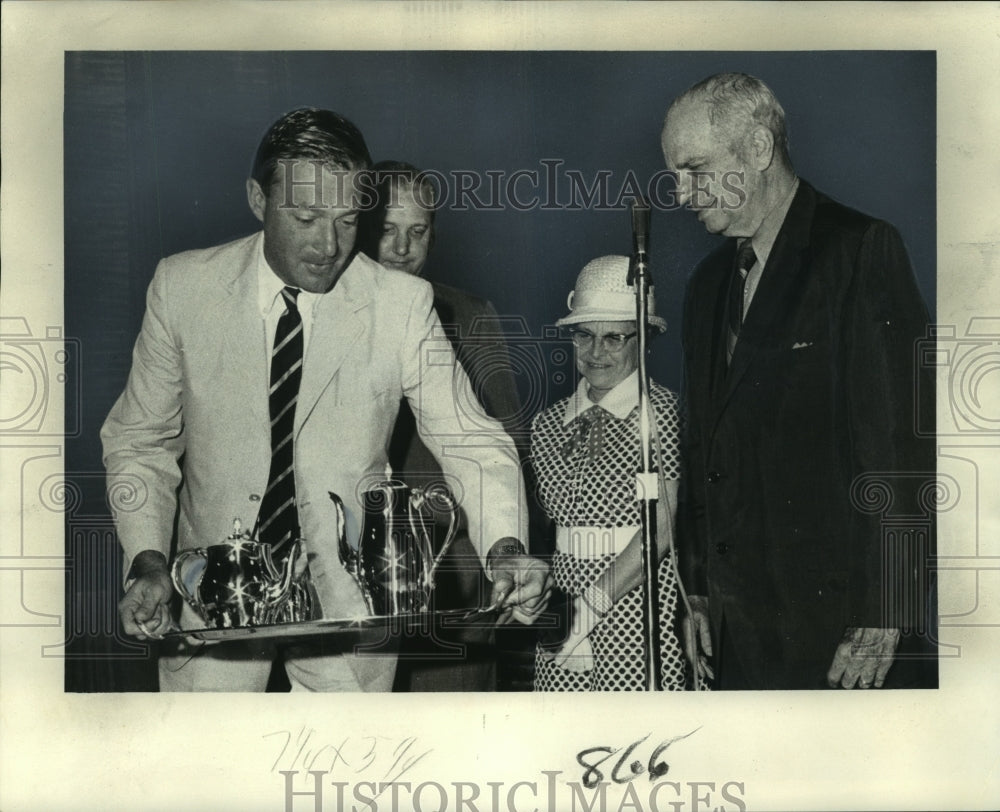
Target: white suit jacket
189	438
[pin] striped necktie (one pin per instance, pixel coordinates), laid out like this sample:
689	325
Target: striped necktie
279	522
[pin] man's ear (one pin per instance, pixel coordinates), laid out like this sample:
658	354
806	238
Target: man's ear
256	198
761	148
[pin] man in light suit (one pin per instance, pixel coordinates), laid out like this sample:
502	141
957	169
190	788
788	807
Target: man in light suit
192	432
799	335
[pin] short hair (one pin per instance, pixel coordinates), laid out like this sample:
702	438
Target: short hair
309	133
736	103
388	177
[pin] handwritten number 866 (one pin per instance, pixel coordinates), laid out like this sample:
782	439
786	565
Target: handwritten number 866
594	757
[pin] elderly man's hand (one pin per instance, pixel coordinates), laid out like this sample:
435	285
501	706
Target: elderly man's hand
863	658
522	586
698	636
145	609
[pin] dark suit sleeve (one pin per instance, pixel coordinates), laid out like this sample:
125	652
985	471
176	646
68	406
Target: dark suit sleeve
478	339
488	362
691	531
886	317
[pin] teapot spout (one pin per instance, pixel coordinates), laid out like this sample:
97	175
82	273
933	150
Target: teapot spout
349	557
344	551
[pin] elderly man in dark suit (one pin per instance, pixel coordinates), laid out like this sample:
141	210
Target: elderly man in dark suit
798	339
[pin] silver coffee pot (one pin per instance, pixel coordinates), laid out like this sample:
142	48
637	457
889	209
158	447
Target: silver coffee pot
395	562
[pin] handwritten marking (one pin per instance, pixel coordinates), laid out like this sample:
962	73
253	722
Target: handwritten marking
302	750
655	767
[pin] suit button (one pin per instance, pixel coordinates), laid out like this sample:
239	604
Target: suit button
721	548
713	477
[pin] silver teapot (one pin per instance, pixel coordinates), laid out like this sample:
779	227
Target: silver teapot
238	584
395	562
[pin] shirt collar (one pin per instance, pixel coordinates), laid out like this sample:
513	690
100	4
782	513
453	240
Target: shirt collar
763	239
620	401
269	287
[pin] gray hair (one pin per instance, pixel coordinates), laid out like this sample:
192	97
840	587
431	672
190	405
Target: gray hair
737	102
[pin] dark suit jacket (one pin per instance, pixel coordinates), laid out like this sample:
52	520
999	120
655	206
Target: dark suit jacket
782	529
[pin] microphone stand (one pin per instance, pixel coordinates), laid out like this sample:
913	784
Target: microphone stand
647	480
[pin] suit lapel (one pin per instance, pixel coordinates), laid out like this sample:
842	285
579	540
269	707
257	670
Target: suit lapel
241	331
337	326
704	343
781	285
718	325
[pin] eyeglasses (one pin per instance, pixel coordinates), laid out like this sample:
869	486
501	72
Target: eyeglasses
610	342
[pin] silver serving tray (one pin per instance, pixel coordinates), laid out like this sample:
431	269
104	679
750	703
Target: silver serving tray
448	618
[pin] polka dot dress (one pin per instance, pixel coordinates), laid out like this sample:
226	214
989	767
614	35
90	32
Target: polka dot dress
578	488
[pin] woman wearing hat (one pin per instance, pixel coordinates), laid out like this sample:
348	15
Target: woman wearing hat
585	452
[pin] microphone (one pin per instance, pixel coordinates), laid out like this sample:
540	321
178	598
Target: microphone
640	240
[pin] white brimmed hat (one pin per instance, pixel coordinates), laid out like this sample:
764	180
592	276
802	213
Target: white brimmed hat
602	293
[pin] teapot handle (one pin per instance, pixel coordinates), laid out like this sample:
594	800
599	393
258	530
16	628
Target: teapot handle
175	575
445	496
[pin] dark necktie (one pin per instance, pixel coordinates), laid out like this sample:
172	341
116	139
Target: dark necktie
279	521
745	259
588	433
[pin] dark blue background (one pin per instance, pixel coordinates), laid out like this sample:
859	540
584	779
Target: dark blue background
158	146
